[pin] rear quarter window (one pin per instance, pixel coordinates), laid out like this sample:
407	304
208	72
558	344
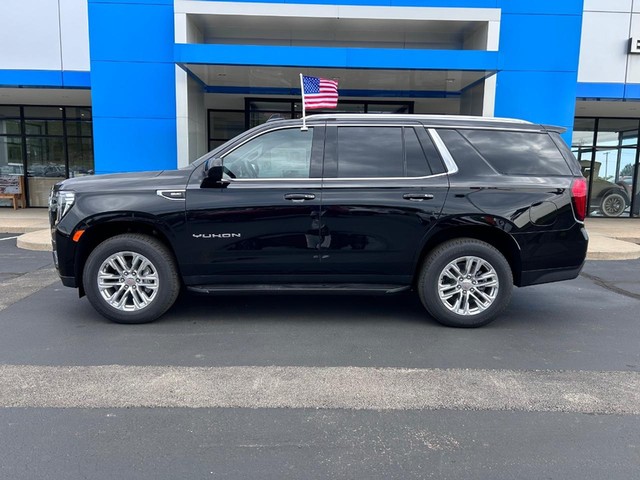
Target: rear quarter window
518	153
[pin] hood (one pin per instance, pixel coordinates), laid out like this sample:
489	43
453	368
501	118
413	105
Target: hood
126	182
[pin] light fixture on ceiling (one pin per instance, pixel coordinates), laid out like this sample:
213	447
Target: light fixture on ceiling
451	80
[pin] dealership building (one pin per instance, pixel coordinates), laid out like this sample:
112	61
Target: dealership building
102	86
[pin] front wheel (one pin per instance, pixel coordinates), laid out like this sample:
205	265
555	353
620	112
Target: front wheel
131	278
465	283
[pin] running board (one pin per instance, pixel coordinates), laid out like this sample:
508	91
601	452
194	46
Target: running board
362	288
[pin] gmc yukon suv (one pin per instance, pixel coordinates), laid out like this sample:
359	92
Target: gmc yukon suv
459	209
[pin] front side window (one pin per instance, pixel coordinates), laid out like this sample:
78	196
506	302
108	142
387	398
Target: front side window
282	153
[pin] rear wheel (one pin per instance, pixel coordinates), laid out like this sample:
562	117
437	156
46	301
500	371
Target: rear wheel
131	278
465	283
613	204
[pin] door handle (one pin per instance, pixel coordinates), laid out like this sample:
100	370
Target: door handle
299	197
417	197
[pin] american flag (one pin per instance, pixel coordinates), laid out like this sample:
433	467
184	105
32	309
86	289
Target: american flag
319	92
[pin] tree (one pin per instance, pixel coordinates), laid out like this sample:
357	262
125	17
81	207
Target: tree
627	171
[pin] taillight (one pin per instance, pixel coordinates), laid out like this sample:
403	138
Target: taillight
579	198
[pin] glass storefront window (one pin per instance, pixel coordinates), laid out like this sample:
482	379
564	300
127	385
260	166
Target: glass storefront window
81	129
43	112
43	127
583	133
79	113
617	132
10	155
45	167
224	125
58	140
80	151
609	165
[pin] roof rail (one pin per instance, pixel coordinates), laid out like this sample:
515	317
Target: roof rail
356	116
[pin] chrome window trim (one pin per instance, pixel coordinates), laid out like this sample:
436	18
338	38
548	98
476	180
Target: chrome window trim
449	162
439	144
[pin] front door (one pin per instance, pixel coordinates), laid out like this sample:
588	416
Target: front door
262	227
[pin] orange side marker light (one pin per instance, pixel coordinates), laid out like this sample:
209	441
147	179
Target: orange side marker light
77	235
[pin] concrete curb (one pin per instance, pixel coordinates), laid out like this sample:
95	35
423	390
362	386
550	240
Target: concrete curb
39	240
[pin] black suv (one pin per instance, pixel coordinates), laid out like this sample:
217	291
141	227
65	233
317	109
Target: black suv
459	209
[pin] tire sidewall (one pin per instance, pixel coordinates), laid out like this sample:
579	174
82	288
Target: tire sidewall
606	197
159	257
445	254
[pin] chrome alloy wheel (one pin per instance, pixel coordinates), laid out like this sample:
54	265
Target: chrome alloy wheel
468	285
128	281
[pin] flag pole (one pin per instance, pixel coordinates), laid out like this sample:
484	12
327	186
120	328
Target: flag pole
304	117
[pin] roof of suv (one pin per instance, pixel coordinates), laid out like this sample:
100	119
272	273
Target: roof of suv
427	120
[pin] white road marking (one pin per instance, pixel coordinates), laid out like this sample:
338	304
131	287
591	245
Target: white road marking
15	289
117	386
8	238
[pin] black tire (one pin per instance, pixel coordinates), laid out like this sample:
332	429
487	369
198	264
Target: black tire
441	259
613	204
161	270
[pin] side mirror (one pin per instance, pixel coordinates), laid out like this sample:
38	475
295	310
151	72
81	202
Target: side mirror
214	172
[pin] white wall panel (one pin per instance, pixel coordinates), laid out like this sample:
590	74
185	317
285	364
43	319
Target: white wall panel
633	68
74	22
607	5
604	45
29	35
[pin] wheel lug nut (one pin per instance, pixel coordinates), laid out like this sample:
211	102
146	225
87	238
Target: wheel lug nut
138	280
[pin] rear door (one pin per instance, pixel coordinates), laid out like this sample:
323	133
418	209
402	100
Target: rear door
383	188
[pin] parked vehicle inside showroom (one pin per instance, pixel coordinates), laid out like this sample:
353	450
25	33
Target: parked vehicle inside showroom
458	209
607	198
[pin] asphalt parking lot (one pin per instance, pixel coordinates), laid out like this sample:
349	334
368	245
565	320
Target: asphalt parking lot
319	386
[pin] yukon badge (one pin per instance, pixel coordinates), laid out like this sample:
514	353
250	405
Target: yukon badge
216	235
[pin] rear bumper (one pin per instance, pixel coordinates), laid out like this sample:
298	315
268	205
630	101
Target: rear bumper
535	277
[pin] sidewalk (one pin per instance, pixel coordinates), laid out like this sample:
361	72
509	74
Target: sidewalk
609	239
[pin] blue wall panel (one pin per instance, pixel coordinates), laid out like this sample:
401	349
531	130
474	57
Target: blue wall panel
45	78
133	85
541	97
538	61
600	90
134	144
135	89
131	33
540	42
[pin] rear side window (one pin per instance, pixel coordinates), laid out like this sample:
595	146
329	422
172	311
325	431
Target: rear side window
518	153
379	152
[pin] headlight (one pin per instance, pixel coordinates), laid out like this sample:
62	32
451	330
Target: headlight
60	203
